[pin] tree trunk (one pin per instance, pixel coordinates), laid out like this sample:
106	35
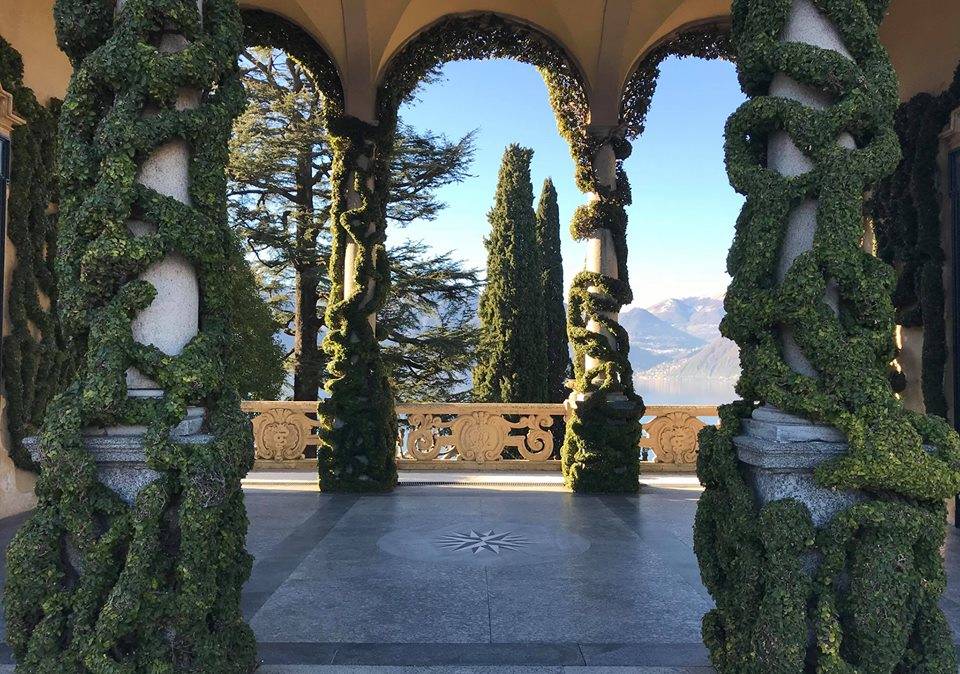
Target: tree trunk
307	358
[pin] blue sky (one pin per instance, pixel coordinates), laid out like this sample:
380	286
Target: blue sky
683	212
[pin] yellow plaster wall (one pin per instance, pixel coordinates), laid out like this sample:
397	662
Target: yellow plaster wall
923	38
28	26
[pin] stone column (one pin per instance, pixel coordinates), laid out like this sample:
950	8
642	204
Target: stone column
358	424
782	450
350	255
172	319
168	323
601	256
600	450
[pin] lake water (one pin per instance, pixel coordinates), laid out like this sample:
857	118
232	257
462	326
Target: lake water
686	391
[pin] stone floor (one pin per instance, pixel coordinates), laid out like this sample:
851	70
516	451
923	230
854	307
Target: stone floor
496	573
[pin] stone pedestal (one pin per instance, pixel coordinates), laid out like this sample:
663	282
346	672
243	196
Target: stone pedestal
780	453
119	454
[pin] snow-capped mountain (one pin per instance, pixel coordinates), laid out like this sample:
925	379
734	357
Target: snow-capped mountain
698	316
654	341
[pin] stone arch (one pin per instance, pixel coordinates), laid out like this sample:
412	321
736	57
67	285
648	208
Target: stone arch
707	39
266	29
484	35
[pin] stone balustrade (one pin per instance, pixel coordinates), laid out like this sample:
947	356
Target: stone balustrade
477	435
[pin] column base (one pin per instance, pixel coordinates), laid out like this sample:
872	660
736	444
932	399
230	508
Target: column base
119	454
780	453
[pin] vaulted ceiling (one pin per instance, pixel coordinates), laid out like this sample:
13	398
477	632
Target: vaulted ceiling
604	37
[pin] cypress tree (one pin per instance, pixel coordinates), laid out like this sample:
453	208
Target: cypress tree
512	358
551	288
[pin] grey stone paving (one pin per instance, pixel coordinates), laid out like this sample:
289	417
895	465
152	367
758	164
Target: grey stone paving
461	579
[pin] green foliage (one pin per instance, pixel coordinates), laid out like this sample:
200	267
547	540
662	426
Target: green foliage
906	212
279	197
873	602
94	584
559	366
428	326
34	358
512	353
255	358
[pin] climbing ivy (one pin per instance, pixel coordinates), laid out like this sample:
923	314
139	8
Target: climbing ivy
95	584
872	602
906	215
601	450
358	420
34	358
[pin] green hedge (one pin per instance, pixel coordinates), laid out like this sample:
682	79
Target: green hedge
34	355
94	584
872	603
906	213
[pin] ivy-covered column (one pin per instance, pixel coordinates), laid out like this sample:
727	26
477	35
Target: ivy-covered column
134	557
358	419
600	451
819	530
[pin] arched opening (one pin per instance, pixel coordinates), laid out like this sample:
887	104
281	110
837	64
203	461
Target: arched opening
504	221
682	367
599	362
675	106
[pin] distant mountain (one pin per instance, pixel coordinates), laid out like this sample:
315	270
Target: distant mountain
720	359
654	334
698	316
641	359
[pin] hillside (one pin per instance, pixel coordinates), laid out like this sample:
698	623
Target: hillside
720	359
654	334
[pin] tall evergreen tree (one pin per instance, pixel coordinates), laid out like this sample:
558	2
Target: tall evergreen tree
280	162
512	358
551	287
